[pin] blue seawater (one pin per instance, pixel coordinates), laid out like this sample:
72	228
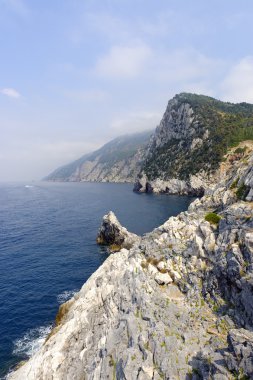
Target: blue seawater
48	250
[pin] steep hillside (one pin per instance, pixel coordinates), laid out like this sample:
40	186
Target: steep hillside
177	304
181	157
190	142
117	161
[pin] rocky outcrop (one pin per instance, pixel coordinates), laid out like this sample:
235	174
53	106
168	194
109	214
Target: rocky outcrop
112	233
202	182
176	305
196	185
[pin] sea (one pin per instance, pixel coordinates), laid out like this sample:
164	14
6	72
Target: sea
48	250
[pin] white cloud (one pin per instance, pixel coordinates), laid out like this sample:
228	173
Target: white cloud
183	65
10	92
179	69
123	62
136	122
238	84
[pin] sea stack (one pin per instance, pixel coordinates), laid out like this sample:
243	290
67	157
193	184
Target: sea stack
112	233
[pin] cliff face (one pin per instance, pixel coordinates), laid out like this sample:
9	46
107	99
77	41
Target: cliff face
118	161
181	157
177	305
190	142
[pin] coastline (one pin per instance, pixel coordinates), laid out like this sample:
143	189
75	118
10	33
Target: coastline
167	295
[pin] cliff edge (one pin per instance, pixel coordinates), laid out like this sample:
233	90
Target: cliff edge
177	305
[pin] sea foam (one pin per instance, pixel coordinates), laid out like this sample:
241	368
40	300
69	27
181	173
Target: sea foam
31	342
66	295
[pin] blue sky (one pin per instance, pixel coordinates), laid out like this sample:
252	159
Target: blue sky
74	74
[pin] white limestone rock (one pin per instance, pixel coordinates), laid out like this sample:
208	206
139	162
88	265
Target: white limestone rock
163	278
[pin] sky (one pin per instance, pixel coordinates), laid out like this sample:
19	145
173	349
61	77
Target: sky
76	73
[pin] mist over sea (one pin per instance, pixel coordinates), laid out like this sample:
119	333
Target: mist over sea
48	250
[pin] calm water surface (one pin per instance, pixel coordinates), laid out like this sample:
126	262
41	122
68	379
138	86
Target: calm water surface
48	250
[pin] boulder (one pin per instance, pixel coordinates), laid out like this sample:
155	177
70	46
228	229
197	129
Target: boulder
163	278
112	233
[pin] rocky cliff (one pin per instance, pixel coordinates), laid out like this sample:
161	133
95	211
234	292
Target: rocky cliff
181	157
188	146
177	304
119	160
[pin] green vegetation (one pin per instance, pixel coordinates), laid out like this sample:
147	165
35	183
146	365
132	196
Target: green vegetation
212	218
227	124
242	191
217	126
234	184
241	375
115	248
240	150
216	308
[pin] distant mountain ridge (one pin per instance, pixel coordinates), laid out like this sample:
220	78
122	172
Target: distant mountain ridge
119	160
180	157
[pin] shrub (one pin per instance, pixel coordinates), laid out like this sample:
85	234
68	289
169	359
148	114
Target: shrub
234	184
242	191
241	150
212	218
115	248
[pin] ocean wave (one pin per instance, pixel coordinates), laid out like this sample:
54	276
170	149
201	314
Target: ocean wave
66	295
31	342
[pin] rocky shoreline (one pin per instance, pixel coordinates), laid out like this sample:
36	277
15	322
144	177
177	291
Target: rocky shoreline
174	304
196	185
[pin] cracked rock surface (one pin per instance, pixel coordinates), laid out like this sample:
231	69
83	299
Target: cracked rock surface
177	305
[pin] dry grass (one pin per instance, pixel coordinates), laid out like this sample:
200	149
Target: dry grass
144	264
115	248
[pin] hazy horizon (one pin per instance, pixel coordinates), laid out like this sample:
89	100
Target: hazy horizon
76	74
